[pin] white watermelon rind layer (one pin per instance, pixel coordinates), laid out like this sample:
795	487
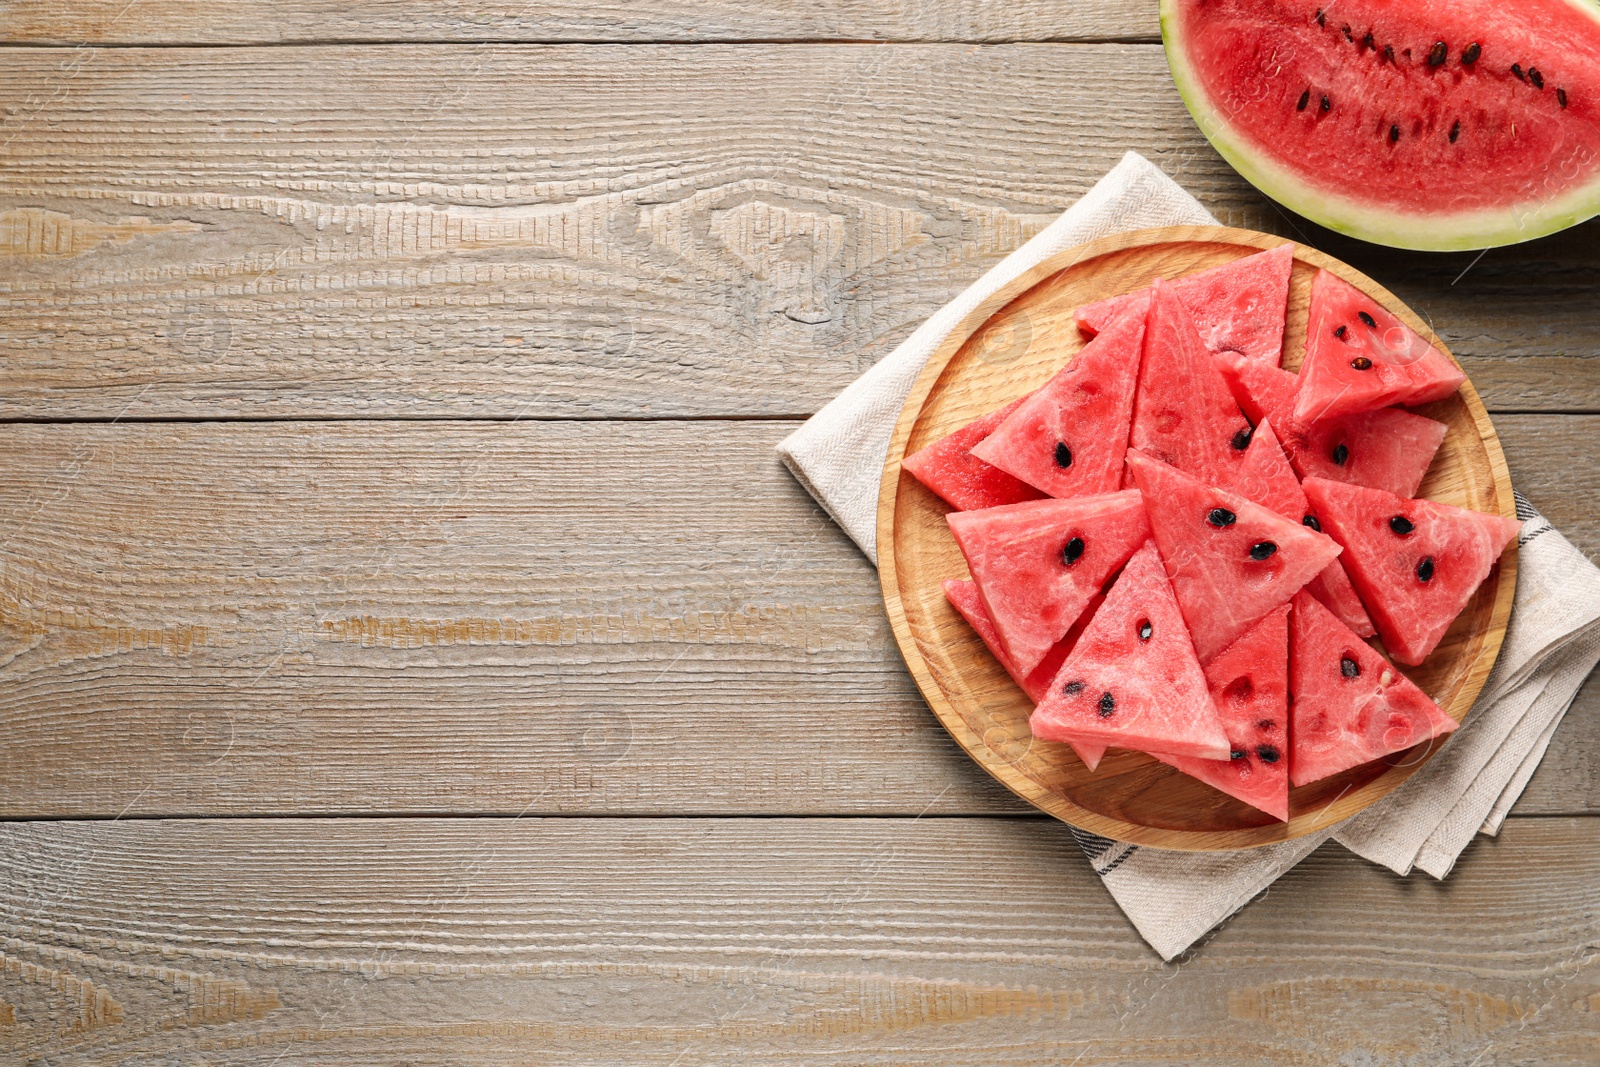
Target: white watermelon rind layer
1457	232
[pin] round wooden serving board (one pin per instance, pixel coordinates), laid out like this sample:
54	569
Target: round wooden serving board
1012	344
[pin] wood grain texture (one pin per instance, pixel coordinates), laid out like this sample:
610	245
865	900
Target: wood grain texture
1008	346
943	941
604	618
599	231
365	21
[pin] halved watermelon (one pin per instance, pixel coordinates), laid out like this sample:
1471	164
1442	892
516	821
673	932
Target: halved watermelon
963	596
1361	358
1238	308
1350	705
1249	683
1068	439
1386	449
948	467
1415	562
1426	124
1230	560
1267	479
1133	680
1184	414
1037	564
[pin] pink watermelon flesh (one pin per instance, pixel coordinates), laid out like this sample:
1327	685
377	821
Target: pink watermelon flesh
1385	449
1267	479
1249	683
966	483
1360	358
1038	564
963	596
1230	560
1440	124
1184	414
1350	705
1069	438
1416	563
1133	680
1238	308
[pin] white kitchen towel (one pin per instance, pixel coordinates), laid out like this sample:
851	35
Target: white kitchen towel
1174	898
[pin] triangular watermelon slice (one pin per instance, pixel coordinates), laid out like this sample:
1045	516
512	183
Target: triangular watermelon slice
1231	560
1350	705
1238	307
1133	680
1415	562
1249	682
1037	564
1267	479
1069	438
1360	358
948	467
1184	414
963	596
1386	449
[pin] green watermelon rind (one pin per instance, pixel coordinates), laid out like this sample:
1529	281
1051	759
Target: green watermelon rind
1461	232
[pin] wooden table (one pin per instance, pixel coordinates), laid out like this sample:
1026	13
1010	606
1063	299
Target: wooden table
413	652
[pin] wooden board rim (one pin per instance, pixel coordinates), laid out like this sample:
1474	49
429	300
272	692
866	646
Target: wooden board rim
1053	803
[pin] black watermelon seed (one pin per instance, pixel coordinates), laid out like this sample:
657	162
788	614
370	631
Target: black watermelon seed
1305	98
1470	54
1394	134
1322	20
1347	34
1368	319
1266	724
1340	454
1388	53
1349	668
1516	69
1340	331
1425	569
1108	704
1311	521
1535	77
1072	551
1361	363
1237	753
1561	97
1072	689
1455	131
1262	550
1241	440
1367	42
1063	455
1267	753
1146	630
1437	54
1401	525
1327	105
1220	517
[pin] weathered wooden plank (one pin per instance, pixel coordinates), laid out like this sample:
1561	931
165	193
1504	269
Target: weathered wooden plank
607	231
244	618
294	21
940	941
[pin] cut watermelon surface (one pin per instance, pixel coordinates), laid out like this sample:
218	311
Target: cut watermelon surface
1037	564
1068	439
1437	124
1360	358
1132	680
1350	705
1386	449
948	467
1415	563
1184	414
1249	682
1238	308
1267	479
1230	560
